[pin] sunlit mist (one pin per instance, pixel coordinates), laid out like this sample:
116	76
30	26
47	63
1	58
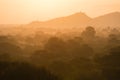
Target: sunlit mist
25	11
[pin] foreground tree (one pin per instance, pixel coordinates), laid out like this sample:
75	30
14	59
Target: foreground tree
24	71
110	64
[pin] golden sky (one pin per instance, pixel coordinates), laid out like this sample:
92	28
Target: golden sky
25	11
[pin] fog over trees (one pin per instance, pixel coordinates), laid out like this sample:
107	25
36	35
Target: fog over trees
30	53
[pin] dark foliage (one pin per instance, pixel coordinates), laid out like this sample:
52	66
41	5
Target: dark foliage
84	57
24	71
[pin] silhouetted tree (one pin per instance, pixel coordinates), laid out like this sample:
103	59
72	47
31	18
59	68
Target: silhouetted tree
42	57
8	49
83	69
79	49
110	64
89	33
24	71
57	47
113	39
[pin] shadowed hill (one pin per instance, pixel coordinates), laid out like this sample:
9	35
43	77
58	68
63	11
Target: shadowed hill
112	20
81	20
75	20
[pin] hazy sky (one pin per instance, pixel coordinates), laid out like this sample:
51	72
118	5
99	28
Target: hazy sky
24	11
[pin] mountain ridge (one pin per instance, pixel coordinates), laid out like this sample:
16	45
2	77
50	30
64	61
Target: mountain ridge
110	19
81	20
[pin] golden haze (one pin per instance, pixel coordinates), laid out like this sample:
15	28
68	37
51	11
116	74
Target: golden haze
25	11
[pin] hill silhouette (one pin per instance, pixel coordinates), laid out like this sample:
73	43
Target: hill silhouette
111	20
74	20
80	20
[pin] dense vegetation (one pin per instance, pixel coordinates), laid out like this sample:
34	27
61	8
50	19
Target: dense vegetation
87	56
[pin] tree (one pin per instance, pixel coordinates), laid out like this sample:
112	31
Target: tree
113	41
56	47
7	47
89	33
110	64
79	49
24	71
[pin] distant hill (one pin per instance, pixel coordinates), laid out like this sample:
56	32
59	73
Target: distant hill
81	20
75	20
73	24
108	20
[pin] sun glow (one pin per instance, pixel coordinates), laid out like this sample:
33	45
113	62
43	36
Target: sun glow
49	3
25	11
45	4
